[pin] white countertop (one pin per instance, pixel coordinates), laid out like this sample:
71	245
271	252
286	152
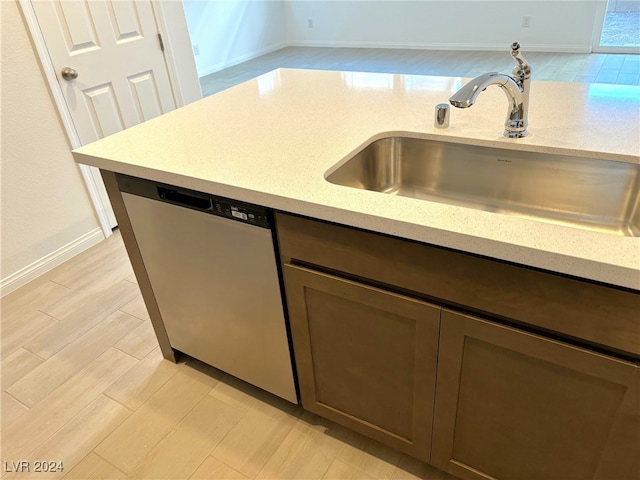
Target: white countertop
271	140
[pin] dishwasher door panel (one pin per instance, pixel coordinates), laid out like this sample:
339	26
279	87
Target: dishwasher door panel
216	285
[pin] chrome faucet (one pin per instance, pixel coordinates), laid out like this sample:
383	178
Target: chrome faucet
516	88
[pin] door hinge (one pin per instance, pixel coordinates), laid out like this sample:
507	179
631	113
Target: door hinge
161	42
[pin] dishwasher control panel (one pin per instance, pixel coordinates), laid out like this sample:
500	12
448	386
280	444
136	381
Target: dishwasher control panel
203	202
242	212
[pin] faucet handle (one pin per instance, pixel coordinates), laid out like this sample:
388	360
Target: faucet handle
522	71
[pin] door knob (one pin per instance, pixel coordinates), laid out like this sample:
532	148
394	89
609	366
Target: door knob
69	73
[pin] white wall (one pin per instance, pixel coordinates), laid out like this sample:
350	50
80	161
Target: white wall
46	213
229	32
233	31
557	26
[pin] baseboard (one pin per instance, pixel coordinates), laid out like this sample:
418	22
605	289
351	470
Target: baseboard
626	50
50	261
242	58
484	47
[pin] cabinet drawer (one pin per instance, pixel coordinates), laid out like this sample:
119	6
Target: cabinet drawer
510	404
366	358
579	310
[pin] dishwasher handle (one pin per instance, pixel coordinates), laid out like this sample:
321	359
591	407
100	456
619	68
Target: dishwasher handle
185	200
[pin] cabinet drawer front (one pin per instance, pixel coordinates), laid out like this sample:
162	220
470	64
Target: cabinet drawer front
366	358
577	309
510	404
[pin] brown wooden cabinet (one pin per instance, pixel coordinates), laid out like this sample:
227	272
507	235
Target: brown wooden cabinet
513	405
509	404
366	358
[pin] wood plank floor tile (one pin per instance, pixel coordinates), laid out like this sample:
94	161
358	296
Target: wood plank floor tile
96	279
46	418
138	385
306	452
411	469
585	78
78	437
16	365
137	308
628	79
373	458
28	299
148	425
607	75
94	467
11	411
190	443
339	470
103	251
255	438
24	293
214	469
49	375
104	257
92	259
102	304
140	342
95	270
16	334
565	76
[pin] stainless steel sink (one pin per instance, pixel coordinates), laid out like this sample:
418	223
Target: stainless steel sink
587	193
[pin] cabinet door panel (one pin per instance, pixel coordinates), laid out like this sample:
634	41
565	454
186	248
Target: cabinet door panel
515	405
366	358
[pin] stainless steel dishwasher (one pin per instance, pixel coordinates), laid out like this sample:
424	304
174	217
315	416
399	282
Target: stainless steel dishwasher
212	266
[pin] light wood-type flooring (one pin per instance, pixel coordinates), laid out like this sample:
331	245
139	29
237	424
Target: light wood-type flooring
622	69
84	383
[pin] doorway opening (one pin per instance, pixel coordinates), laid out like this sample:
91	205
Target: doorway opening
621	26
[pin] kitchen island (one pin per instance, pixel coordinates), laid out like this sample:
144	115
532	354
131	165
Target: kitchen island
383	291
272	140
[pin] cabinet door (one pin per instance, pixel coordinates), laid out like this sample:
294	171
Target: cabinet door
366	358
513	405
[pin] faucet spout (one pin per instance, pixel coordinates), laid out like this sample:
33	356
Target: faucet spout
515	87
467	95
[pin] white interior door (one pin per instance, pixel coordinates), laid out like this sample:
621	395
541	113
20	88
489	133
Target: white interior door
122	77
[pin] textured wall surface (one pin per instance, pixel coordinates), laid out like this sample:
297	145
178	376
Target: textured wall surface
45	205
